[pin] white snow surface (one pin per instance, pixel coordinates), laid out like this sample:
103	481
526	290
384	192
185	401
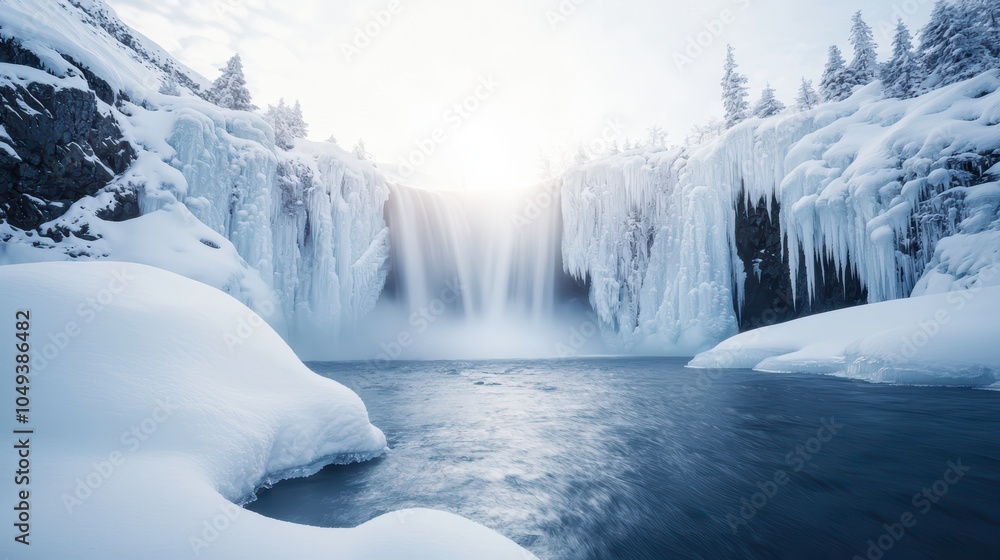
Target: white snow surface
944	339
883	187
302	231
150	423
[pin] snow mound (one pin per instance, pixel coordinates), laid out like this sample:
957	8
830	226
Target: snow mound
943	339
157	403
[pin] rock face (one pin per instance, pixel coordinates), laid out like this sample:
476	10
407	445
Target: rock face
63	144
768	297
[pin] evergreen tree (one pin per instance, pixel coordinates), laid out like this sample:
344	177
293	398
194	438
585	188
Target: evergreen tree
657	139
230	89
901	75
734	91
834	86
864	67
581	156
934	41
969	47
360	151
288	123
807	98
768	105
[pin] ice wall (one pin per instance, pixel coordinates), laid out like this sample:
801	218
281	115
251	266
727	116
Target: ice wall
892	190
298	235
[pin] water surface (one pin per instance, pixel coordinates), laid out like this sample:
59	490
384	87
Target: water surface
644	459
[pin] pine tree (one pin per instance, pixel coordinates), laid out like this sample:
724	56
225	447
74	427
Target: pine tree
934	41
834	86
734	91
288	123
581	156
657	139
230	89
864	67
967	45
360	151
807	98
901	75
300	128
768	105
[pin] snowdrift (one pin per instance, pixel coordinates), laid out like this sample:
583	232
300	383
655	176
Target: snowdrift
158	402
944	339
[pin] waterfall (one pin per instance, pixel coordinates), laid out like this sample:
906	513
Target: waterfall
484	265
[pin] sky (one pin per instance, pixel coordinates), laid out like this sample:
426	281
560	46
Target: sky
468	94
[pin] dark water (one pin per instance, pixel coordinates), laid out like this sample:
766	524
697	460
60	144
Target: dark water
641	458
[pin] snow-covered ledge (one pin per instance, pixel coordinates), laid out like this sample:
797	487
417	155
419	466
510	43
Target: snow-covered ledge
944	339
158	402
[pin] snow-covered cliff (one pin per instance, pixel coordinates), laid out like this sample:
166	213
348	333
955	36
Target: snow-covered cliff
298	234
898	196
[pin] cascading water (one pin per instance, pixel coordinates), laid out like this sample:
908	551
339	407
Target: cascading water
478	264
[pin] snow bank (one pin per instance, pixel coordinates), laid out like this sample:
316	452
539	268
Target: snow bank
944	339
157	402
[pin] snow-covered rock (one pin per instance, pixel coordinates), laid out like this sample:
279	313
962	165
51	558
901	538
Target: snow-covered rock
157	403
942	339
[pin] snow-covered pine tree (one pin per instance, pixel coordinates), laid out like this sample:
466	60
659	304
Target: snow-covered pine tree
300	128
229	90
807	98
657	139
934	41
901	75
969	46
360	151
581	156
833	86
864	67
288	123
734	91
768	105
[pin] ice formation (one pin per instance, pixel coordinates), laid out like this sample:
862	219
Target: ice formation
302	230
901	193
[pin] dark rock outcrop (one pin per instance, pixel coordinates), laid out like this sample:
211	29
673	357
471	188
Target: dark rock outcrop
68	146
768	296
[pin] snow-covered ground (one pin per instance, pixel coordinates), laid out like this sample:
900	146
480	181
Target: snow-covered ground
942	339
158	402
